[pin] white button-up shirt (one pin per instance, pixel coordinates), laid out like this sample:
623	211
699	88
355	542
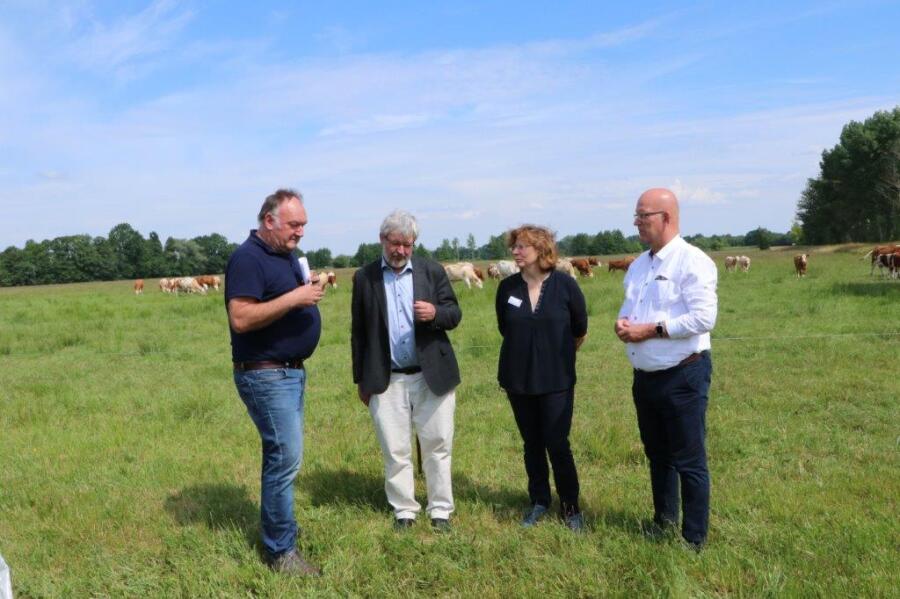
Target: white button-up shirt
677	286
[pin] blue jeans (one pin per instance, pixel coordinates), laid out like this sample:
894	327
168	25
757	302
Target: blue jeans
274	400
671	411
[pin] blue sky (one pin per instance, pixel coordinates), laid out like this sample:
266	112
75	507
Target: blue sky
179	117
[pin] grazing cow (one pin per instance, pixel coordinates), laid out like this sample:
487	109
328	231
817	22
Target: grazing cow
189	285
506	268
594	261
168	285
744	263
876	252
332	279
583	266
493	271
139	287
463	271
622	264
730	263
565	265
800	263
890	262
209	281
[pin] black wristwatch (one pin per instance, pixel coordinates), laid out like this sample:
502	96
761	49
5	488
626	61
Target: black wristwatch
660	329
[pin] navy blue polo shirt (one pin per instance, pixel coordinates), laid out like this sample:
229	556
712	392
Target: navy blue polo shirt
257	271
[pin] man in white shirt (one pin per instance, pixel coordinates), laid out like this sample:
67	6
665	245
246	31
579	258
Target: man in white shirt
669	309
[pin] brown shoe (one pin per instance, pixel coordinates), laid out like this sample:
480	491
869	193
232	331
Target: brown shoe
293	564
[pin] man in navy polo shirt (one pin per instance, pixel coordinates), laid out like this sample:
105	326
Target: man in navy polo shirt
275	326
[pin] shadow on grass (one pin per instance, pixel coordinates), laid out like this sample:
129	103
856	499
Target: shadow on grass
343	487
877	288
219	506
347	487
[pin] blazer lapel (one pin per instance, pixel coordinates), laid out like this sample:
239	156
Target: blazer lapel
421	290
378	287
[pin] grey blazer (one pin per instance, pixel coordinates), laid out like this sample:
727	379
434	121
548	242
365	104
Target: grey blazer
369	329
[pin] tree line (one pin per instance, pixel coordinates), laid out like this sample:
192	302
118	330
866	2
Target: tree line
126	254
856	196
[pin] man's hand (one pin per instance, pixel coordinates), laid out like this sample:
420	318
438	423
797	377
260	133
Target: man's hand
306	295
634	333
424	311
363	396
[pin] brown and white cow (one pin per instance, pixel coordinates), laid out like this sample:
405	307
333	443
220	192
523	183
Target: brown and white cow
463	271
594	261
800	263
139	287
876	252
493	271
583	266
565	265
891	262
332	279
730	263
208	281
744	263
189	285
622	264
506	268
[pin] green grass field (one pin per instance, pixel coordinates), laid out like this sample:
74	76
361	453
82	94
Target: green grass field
128	466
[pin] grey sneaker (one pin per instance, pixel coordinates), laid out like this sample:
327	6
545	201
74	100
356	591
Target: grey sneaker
292	563
575	522
532	516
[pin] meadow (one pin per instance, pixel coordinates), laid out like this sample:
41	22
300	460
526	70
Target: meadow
129	468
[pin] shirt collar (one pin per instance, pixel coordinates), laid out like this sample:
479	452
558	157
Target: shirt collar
670	247
407	268
255	238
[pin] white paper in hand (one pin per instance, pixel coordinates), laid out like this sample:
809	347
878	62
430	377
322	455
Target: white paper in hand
304	269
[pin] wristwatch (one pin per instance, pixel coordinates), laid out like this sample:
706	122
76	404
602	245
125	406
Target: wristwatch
660	329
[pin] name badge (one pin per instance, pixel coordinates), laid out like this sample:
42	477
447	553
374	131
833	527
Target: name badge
515	301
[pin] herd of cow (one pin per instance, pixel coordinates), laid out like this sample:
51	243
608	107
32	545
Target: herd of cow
203	283
472	275
884	257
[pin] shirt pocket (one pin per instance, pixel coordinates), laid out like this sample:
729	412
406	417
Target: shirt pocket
663	294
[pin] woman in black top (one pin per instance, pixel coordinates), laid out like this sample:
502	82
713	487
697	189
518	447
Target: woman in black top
542	317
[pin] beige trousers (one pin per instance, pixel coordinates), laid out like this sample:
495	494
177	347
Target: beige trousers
408	405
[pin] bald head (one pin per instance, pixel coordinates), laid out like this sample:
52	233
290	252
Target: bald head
656	217
660	198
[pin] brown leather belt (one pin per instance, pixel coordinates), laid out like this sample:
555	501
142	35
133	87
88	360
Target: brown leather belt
266	364
689	359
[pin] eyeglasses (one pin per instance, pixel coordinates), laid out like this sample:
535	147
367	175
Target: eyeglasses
646	215
398	244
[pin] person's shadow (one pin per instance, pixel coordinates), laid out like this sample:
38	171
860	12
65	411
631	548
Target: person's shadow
363	489
218	506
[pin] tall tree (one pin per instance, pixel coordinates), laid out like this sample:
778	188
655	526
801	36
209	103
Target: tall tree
128	246
856	196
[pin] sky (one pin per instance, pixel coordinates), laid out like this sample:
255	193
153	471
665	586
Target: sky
180	117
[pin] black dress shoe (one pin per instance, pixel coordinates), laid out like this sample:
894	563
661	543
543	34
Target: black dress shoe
440	524
403	523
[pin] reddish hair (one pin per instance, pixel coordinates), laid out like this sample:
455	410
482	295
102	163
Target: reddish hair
541	239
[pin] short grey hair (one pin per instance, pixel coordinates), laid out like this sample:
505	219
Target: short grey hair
273	202
400	221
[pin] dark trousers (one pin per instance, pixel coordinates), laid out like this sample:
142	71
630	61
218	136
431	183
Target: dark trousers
671	413
544	422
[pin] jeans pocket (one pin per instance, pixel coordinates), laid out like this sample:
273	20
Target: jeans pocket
267	375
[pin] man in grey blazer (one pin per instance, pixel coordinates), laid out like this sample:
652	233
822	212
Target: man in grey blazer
405	369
